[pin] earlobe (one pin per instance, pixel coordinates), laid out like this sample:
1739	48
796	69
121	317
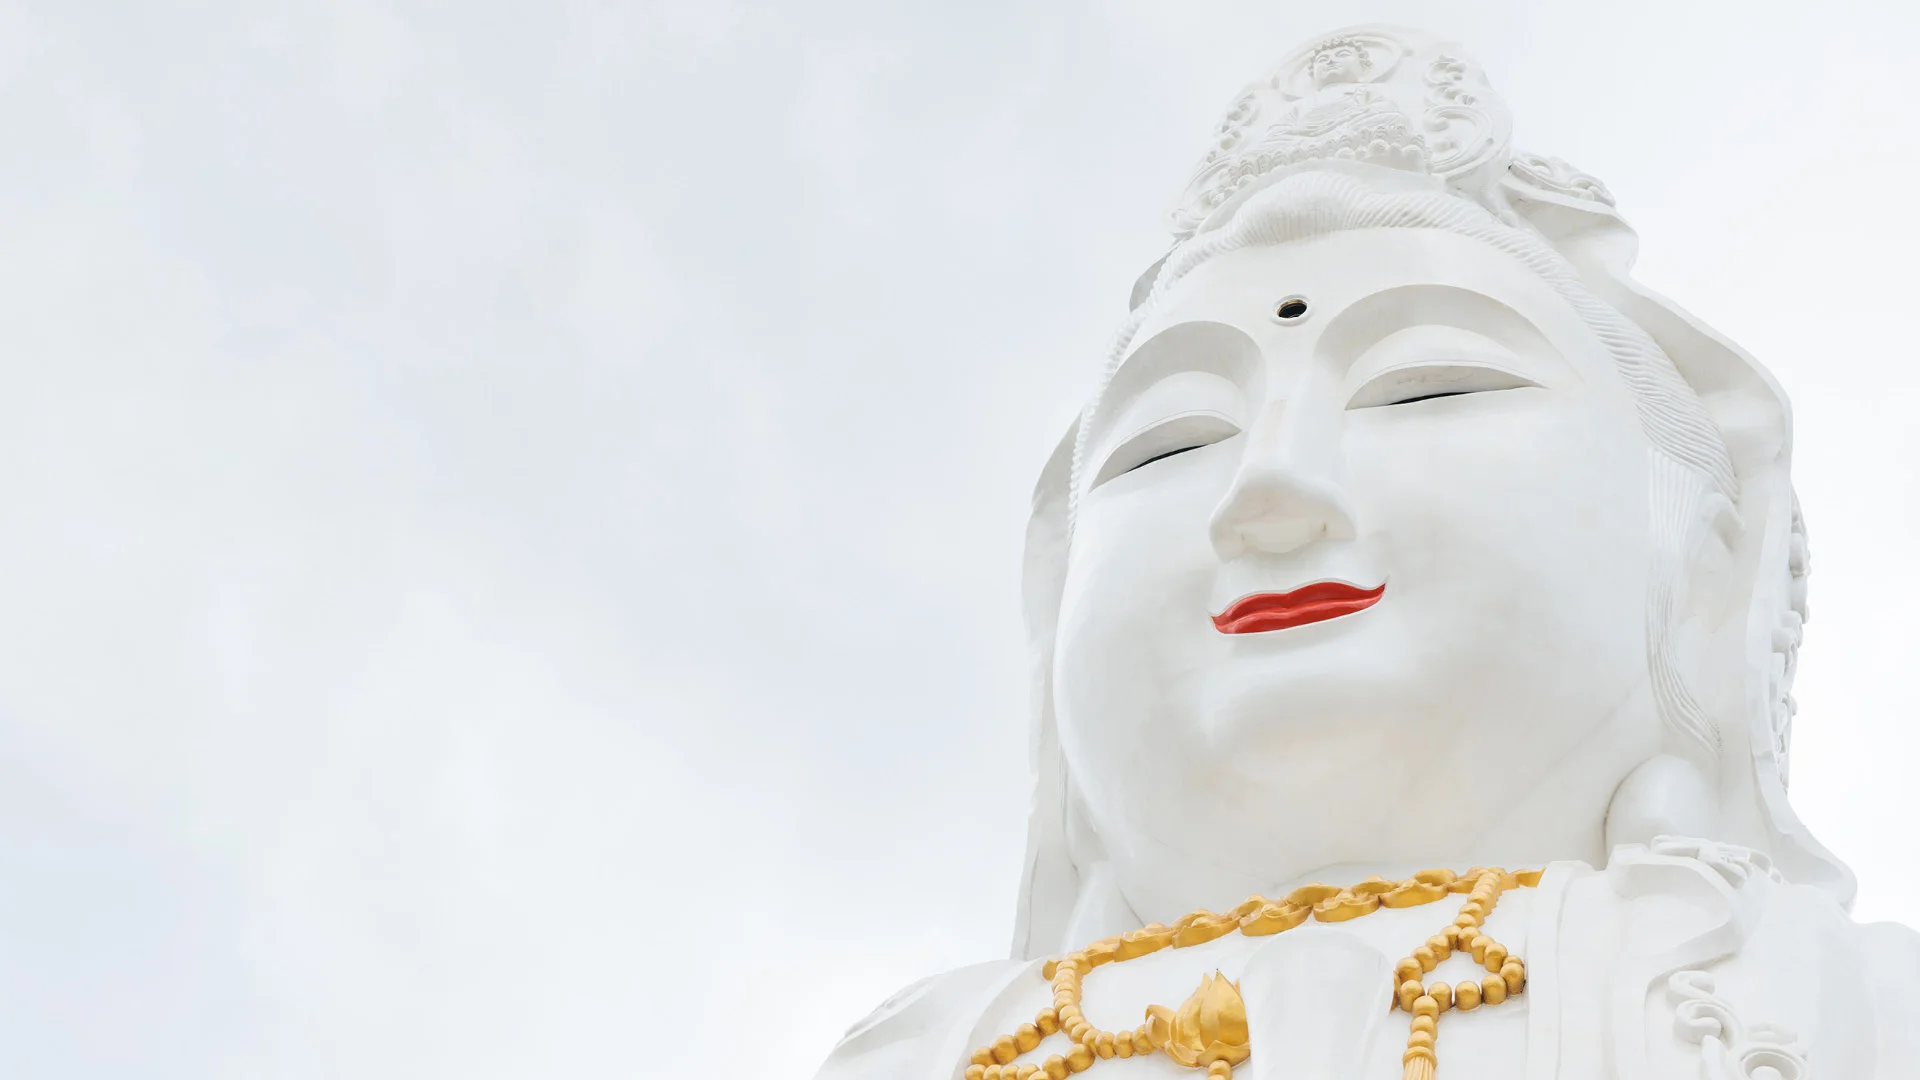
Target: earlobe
1665	796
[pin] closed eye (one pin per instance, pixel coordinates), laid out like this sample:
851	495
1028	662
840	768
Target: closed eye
1165	439
1409	383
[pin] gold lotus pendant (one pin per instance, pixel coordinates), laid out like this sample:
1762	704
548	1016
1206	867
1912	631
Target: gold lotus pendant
1210	1026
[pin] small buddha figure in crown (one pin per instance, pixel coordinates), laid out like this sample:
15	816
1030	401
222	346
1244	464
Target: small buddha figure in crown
1339	60
1337	70
1414	607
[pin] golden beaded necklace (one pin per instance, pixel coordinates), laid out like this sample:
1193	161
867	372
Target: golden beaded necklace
1210	1030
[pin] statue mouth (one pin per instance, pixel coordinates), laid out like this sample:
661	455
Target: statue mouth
1313	603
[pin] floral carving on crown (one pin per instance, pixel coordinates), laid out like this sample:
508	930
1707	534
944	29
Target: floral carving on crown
1372	95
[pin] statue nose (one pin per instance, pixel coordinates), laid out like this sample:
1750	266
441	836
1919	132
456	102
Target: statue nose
1287	493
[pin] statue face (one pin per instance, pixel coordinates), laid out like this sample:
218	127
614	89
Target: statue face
1340	64
1433	486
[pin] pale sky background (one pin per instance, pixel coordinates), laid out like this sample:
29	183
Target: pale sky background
512	511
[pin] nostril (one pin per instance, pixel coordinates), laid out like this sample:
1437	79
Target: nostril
1275	511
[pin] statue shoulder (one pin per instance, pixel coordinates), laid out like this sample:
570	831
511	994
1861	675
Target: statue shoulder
922	1030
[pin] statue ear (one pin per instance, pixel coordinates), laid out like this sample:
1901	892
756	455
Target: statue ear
1764	562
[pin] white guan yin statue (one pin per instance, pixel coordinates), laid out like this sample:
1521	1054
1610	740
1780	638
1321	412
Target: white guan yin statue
1420	577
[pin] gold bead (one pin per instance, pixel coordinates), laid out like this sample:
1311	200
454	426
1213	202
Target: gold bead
1028	1072
976	1072
1081	1031
1496	956
1425	1023
1004	1050
1103	1044
1026	1037
1515	974
1424	1005
1442	946
1409	990
1048	1021
1047	969
1080	1059
1420	1038
991	1072
1408	968
1466	921
1474	907
1123	1044
1479	946
1056	1067
1142	1042
1426	957
983	1056
1466	996
1069	1015
1442	994
1493	990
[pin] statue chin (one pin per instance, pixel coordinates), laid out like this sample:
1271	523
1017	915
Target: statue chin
1414	609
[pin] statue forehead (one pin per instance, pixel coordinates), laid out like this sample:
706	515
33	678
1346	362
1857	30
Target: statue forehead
1244	287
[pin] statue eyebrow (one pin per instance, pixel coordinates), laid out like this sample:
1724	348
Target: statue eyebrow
1195	345
1363	324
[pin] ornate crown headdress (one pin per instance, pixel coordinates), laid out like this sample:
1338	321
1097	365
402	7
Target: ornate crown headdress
1416	104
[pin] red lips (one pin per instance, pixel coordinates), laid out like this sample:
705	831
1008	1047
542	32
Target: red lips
1313	603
